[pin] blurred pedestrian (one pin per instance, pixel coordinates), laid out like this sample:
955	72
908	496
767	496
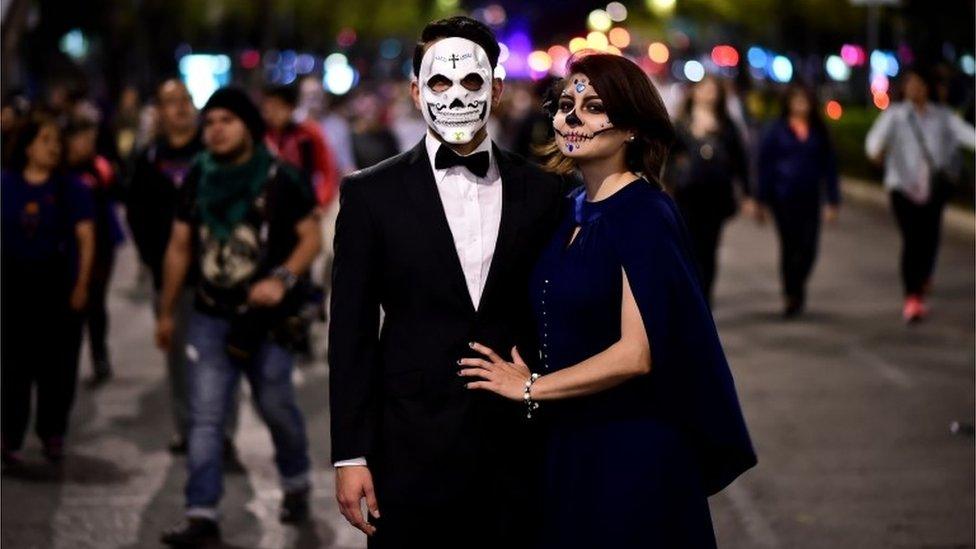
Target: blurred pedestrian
304	146
372	139
917	140
248	223
301	144
14	113
798	183
98	174
126	122
708	163
47	243
335	124
158	174
534	129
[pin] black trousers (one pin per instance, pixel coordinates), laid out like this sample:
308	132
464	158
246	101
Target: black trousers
449	526
920	226
96	314
798	227
705	229
41	339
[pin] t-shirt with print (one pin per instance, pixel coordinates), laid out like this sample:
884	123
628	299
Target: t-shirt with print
263	240
38	226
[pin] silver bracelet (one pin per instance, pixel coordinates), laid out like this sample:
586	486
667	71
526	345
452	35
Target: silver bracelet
530	404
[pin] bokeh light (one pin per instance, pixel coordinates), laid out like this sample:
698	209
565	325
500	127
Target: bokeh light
694	71
658	52
540	61
203	74
757	57
881	100
599	20
879	84
619	37
837	69
853	55
968	64
781	69
661	7
577	44
617	11
597	40
834	110
725	56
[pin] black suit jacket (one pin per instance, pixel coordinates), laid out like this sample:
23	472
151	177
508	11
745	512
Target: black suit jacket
396	397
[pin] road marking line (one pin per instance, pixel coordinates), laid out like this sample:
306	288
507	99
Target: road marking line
885	369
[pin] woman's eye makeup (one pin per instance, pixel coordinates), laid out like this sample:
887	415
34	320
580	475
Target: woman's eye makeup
595	107
566	106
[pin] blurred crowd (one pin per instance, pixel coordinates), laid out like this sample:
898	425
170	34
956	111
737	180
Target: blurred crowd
80	177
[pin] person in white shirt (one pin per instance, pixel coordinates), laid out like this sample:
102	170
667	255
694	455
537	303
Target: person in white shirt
917	141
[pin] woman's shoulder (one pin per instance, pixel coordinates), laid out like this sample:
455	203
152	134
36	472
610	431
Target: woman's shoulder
644	207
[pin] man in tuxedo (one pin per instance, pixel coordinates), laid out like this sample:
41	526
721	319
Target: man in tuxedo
442	238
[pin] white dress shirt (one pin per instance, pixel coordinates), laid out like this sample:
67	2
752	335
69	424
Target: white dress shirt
473	207
906	169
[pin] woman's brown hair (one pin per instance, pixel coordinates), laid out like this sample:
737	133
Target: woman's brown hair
632	103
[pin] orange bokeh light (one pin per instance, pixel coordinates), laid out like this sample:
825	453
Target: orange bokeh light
834	110
658	52
619	37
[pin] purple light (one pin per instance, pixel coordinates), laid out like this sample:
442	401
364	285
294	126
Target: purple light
519	47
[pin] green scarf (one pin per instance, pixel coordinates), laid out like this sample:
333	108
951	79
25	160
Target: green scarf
226	193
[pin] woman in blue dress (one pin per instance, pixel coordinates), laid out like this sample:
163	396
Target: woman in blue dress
642	414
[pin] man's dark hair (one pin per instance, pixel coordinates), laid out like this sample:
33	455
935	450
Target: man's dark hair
461	27
287	94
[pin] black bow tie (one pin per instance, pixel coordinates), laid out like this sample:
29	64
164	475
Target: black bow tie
476	163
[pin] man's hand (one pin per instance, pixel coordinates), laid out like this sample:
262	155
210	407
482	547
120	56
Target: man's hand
831	213
267	293
353	483
164	332
79	298
760	214
749	207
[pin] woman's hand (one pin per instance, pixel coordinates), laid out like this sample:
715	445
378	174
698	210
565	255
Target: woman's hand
494	374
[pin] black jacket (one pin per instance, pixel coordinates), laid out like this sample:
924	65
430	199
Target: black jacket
395	395
152	195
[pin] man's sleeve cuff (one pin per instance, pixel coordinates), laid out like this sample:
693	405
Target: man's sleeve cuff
360	461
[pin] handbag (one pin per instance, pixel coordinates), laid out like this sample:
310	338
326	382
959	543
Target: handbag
942	184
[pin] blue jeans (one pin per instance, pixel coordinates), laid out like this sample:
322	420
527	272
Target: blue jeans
212	378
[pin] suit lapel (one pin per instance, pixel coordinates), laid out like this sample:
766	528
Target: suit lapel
422	189
513	200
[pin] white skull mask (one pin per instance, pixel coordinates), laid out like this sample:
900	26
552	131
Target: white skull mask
455	88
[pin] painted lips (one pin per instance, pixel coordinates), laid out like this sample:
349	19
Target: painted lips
574	137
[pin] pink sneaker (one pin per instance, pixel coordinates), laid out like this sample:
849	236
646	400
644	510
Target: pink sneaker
914	309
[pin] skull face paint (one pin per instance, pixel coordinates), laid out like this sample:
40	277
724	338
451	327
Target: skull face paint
455	88
580	116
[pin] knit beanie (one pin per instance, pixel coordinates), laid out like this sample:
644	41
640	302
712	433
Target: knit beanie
237	101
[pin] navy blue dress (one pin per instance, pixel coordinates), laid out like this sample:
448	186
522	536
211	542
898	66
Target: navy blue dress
632	467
